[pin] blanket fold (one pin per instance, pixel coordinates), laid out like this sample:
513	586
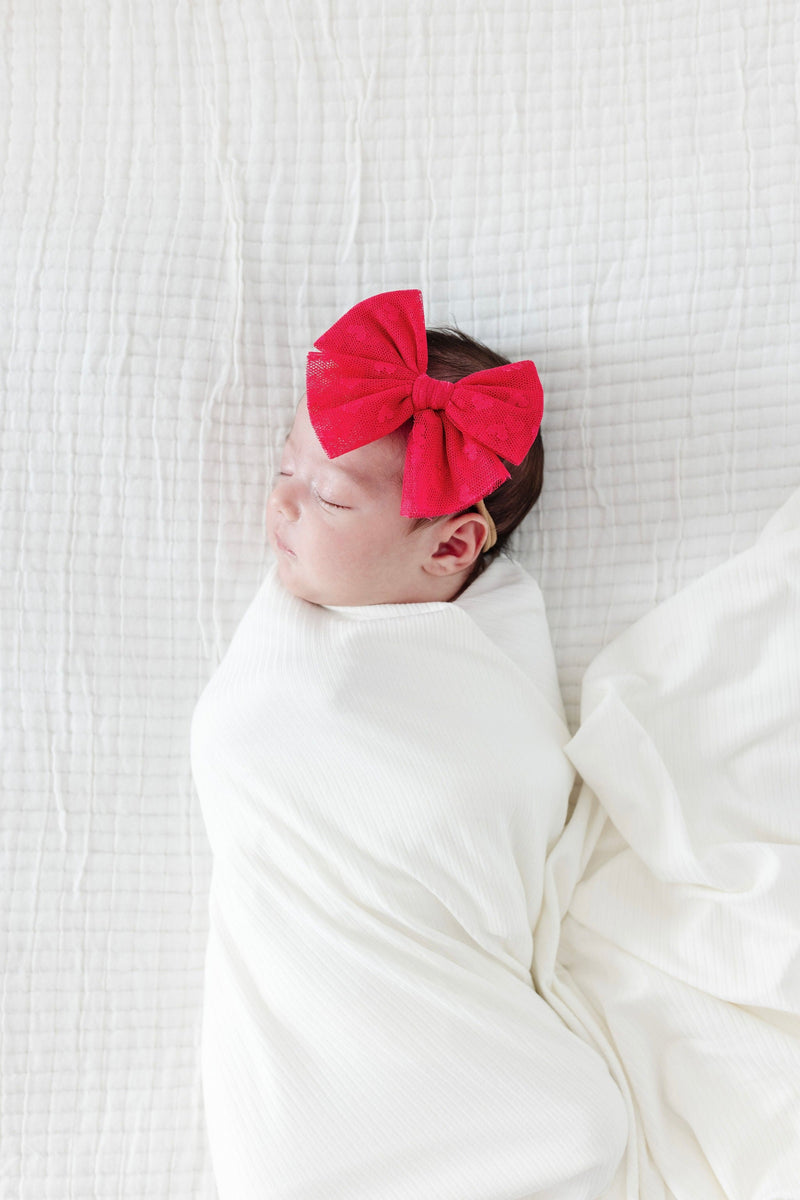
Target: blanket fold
380	786
670	933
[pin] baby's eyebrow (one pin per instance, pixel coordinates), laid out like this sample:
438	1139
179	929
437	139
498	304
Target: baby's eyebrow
359	478
356	477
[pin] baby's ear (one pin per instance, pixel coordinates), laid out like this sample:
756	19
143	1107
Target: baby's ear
461	541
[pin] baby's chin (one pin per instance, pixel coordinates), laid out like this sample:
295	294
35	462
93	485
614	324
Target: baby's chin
292	580
330	597
334	594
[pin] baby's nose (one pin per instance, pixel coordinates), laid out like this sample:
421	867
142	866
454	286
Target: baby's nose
282	498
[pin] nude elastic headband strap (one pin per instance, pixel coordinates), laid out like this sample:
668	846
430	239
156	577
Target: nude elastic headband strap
491	536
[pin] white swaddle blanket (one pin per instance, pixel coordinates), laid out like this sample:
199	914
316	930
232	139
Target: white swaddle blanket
678	881
380	787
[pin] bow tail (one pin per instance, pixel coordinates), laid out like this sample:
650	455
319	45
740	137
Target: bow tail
446	470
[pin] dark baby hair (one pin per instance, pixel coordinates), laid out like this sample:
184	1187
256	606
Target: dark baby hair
452	354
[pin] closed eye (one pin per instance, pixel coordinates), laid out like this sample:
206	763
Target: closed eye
321	499
329	503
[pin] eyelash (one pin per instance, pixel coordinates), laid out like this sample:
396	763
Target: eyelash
329	503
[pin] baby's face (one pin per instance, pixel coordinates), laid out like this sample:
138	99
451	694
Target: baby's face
337	532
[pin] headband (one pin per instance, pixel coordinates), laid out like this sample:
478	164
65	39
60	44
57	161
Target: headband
367	377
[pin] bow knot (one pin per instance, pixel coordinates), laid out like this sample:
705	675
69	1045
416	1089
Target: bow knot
367	376
430	393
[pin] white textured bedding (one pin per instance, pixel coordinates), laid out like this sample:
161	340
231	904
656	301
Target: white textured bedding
192	192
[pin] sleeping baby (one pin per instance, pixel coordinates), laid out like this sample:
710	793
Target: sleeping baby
379	760
362	539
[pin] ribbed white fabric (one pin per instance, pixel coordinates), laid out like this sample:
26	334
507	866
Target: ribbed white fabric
380	786
679	874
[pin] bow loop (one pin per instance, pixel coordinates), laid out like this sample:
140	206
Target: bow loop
367	377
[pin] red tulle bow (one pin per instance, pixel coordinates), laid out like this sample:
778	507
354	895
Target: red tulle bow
367	377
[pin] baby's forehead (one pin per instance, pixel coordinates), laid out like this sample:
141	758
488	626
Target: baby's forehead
375	465
384	458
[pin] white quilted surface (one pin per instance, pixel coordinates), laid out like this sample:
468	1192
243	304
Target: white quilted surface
191	193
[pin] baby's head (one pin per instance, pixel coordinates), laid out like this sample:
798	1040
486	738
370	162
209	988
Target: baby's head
335	523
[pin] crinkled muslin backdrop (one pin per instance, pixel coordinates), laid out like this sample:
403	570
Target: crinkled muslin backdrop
191	192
